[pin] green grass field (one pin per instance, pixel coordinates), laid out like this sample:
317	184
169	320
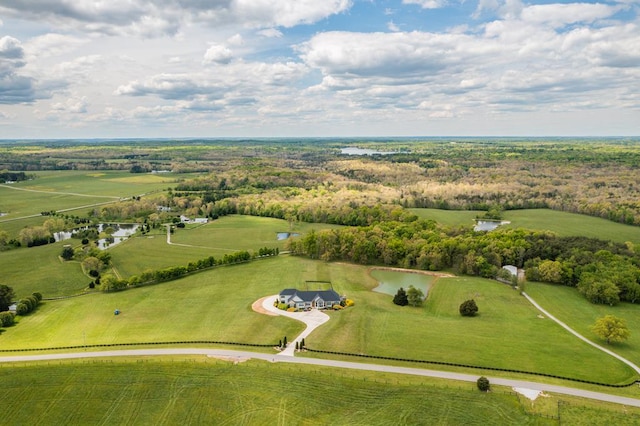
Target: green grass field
562	223
40	269
507	333
570	307
215	305
200	391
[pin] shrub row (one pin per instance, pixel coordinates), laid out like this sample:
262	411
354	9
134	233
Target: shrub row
175	272
452	364
28	304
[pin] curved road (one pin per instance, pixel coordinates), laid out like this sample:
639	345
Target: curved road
243	355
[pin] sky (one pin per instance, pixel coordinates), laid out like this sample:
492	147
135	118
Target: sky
318	68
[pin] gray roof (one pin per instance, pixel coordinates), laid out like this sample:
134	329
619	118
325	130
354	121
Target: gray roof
309	296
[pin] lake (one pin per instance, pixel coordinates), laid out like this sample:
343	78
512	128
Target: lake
285	235
363	151
488	225
390	281
122	231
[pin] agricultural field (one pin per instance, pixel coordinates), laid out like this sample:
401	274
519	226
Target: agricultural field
221	298
194	391
251	196
562	223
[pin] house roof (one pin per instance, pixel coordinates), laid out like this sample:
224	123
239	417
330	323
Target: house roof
309	296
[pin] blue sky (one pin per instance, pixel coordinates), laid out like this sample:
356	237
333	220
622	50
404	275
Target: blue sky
216	68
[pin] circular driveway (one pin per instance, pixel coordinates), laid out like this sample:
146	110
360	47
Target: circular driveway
313	319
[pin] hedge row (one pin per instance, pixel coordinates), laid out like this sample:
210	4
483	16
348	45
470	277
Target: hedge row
452	364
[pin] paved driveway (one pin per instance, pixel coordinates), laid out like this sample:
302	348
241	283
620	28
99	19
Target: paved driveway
313	318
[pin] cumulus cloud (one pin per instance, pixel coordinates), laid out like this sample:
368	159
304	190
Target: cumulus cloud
527	65
427	4
72	105
14	88
217	54
153	18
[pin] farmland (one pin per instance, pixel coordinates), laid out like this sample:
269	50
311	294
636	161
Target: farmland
344	215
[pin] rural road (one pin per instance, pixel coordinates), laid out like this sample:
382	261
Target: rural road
243	355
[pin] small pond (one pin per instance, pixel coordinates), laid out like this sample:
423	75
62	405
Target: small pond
390	281
285	235
363	151
488	225
121	231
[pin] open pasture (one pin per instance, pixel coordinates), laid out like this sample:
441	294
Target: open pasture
562	223
215	305
40	269
570	307
222	236
507	333
171	391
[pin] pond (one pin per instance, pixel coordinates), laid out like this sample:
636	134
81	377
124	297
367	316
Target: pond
488	225
390	281
363	151
285	235
121	231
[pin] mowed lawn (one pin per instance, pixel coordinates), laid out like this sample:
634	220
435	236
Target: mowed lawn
200	391
562	223
222	236
507	333
215	305
570	307
39	269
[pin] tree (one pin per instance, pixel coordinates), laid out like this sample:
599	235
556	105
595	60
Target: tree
611	328
415	296
6	297
401	297
468	308
483	384
67	253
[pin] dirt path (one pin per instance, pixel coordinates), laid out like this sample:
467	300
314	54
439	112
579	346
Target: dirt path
257	306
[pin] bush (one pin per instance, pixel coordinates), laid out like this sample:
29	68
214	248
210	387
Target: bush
6	319
22	309
283	306
468	308
38	296
401	298
349	302
291	309
337	307
483	384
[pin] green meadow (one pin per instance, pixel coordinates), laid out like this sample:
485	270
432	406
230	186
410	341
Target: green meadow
216	305
570	307
561	223
168	391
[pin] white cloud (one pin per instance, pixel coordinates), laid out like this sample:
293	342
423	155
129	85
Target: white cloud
72	105
563	14
148	18
427	4
217	54
270	33
392	26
